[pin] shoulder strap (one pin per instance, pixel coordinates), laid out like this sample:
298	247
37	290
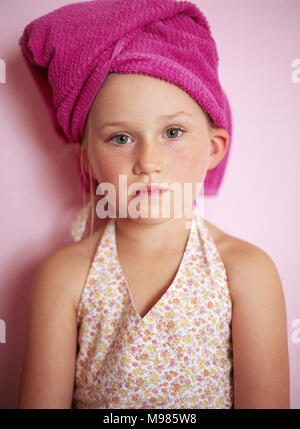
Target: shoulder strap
78	224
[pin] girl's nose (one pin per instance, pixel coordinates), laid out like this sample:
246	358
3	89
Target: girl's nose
148	158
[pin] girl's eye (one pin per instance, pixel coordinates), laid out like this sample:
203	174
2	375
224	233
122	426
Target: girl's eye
176	129
123	141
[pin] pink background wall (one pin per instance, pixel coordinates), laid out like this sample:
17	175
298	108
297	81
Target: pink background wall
258	41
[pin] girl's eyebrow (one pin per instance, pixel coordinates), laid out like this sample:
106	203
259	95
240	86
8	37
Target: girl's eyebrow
172	115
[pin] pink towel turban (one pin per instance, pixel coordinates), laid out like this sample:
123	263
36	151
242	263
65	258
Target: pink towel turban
70	50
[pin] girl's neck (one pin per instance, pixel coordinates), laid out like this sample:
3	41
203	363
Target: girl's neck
164	235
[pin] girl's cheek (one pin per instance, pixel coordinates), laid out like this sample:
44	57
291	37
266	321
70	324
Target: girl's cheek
110	171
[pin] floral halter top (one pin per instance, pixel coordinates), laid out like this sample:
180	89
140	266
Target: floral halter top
179	355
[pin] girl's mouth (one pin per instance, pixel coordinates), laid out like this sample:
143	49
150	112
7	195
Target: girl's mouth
149	193
155	191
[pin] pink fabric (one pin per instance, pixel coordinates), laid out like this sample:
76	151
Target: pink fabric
70	50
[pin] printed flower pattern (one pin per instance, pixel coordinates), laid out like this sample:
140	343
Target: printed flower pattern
179	355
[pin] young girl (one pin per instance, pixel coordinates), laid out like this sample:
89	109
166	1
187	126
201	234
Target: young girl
147	311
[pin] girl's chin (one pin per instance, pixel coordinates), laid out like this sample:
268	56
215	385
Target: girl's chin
149	220
151	215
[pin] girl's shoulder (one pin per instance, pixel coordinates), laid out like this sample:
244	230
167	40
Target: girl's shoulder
78	257
240	259
226	243
68	266
247	266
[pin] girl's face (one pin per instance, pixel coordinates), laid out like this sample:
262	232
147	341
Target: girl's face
151	131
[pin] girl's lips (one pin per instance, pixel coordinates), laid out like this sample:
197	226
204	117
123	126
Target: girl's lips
149	193
155	190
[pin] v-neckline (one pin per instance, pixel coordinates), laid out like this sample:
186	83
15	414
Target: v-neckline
172	285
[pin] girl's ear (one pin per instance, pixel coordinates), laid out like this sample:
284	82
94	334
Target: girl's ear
219	143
